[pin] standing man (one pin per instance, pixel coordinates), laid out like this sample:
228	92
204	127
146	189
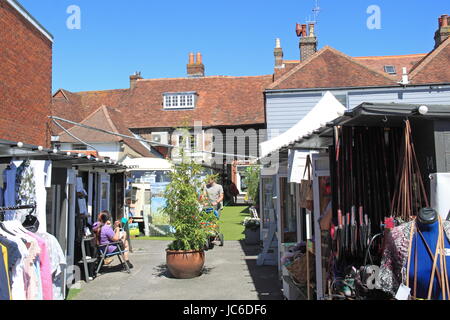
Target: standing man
214	193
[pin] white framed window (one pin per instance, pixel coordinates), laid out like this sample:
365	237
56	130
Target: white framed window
390	69
179	100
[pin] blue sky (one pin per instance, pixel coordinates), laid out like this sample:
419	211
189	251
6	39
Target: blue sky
236	37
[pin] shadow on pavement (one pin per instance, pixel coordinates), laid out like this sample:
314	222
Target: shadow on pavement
163	271
264	278
111	269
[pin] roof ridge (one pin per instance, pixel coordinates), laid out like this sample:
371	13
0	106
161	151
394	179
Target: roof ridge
428	58
206	77
99	91
108	118
392	56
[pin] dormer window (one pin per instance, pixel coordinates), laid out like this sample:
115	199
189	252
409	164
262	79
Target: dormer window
390	69
179	100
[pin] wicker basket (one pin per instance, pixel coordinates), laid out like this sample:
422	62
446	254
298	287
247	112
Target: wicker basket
297	269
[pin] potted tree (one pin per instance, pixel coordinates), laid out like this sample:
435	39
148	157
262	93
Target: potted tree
185	256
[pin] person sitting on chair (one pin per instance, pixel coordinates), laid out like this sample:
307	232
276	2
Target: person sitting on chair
105	235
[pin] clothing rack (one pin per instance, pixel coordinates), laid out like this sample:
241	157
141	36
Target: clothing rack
20	207
25	206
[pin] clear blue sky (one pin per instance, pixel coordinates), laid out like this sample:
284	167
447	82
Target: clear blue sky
236	37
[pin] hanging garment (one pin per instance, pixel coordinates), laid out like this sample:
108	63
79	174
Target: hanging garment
44	268
38	168
25	187
14	255
18	276
57	262
395	256
10	193
5	288
32	280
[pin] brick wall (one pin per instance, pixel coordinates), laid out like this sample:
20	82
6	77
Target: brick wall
25	79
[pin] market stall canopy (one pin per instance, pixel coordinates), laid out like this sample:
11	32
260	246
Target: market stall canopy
373	115
21	151
327	109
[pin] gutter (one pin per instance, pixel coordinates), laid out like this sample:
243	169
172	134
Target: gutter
20	9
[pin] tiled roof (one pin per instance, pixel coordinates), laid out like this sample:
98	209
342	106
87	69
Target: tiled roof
105	118
378	63
330	68
434	68
221	101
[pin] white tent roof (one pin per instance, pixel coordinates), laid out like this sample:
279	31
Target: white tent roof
326	110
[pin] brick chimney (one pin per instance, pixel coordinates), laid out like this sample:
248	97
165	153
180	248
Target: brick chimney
443	31
134	78
308	41
278	54
195	68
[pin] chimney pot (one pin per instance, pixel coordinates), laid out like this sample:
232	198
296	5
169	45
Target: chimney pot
277	43
304	32
199	58
191	58
298	30
311	30
444	20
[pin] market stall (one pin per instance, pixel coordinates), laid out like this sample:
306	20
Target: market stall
371	185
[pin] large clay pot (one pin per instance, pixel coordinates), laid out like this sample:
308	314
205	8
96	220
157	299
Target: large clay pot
185	264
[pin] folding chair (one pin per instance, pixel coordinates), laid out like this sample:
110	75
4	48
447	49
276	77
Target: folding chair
103	251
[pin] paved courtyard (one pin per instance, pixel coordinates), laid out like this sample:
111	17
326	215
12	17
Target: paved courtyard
230	274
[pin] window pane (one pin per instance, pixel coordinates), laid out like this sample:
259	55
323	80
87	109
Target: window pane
175	101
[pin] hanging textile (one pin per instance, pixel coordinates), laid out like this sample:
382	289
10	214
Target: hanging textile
10	192
57	262
25	187
393	271
5	288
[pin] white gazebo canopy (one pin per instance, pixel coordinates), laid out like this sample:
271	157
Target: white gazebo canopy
326	110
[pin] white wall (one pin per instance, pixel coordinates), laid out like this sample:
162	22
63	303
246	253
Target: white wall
285	108
111	150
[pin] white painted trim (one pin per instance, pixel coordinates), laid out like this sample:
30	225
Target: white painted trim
30	18
316	215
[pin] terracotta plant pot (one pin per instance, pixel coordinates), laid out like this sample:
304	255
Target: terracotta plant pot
185	264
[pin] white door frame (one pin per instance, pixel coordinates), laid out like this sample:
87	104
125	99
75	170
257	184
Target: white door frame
316	215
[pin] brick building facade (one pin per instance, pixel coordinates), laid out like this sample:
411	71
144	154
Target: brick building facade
25	77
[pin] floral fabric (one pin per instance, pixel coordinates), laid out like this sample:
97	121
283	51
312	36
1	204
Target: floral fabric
395	256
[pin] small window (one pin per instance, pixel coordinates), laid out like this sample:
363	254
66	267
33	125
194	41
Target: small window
185	100
390	69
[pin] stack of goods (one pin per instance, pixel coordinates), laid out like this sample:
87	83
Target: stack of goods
295	262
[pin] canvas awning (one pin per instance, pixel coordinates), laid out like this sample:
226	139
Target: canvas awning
327	109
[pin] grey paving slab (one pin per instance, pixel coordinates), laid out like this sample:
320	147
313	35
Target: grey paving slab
230	274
